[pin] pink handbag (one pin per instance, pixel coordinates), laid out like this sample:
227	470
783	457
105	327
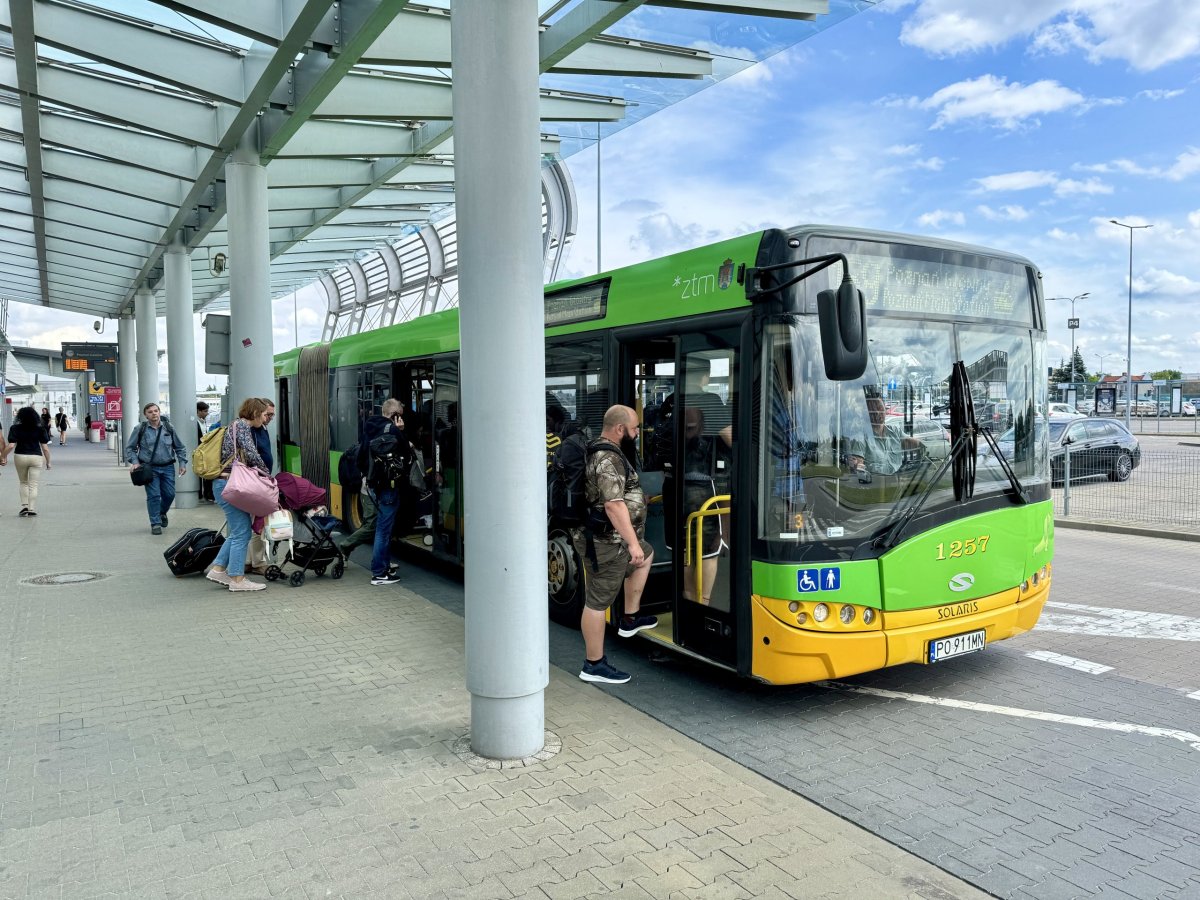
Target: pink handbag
250	490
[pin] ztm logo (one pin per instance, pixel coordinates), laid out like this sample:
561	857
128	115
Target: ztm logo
962	581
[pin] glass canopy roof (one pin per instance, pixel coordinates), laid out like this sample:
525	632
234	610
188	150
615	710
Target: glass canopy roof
116	121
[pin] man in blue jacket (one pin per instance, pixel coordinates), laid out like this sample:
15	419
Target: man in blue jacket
155	445
387	493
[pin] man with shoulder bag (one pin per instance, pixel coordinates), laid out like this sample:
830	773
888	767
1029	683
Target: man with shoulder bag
152	452
386	465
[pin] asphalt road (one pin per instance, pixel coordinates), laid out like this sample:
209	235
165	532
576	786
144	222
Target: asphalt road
1064	763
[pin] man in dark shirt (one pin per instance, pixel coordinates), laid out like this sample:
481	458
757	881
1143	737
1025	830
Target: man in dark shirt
387	497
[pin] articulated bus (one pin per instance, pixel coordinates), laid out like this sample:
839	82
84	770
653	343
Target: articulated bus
826	496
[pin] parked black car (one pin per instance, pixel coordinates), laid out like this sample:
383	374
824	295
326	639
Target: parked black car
1098	447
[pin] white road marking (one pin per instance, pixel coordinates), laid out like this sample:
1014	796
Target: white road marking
1070	662
1195	695
1172	587
1105	621
1193	740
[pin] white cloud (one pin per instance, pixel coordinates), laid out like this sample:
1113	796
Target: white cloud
1017	181
1160	94
1011	213
935	218
1092	186
1186	164
1161	281
1059	235
1194	219
1158	32
993	99
932	164
903	150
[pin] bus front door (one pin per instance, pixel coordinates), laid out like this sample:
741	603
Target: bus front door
683	392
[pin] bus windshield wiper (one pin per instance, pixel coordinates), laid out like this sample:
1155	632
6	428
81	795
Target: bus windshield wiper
965	431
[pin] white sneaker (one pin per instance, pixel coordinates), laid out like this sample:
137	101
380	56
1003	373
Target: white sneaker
218	577
246	585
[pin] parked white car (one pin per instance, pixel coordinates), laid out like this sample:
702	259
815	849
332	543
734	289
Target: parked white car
1065	409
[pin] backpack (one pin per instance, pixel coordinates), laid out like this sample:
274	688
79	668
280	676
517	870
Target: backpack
350	474
567	492
206	458
389	461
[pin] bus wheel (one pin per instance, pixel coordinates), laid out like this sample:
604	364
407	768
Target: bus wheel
352	515
564	580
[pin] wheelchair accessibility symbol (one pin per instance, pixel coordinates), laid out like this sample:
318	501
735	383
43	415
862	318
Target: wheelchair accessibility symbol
809	581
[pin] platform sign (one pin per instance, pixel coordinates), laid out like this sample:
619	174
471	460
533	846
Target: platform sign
112	403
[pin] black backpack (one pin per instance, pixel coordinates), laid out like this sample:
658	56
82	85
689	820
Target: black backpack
389	459
568	480
350	475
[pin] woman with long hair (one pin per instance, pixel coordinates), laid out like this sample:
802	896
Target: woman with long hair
229	567
29	444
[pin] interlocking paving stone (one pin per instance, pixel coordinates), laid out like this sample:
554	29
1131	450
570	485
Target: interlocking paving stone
162	738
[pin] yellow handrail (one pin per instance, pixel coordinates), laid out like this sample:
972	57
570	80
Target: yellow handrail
708	508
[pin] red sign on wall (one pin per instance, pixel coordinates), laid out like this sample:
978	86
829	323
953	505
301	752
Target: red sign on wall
112	403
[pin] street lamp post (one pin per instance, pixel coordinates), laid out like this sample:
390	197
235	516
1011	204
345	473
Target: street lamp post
1129	331
1073	325
1100	356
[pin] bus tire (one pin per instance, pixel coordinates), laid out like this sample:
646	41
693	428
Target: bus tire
564	579
352	514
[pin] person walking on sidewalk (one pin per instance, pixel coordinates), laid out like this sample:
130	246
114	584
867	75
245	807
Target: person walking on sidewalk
155	445
615	550
229	568
29	443
61	423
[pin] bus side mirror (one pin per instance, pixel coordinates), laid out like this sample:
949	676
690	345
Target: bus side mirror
843	318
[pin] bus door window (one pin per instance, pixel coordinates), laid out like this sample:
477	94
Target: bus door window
447	472
653	384
706	454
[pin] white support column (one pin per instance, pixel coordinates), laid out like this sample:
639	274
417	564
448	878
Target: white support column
498	186
181	363
127	377
252	372
145	314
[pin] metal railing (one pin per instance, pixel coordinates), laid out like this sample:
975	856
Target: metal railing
1162	493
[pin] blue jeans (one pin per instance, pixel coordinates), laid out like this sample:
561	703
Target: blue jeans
160	492
232	555
386	502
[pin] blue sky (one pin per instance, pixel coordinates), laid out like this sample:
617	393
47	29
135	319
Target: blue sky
1023	125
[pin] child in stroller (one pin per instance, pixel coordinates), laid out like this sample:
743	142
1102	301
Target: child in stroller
306	501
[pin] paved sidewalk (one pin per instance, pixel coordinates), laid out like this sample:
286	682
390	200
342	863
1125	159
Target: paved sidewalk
165	738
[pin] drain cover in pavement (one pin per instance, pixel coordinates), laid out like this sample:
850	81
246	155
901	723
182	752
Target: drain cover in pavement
66	578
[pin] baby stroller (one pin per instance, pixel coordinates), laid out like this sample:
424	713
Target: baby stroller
306	502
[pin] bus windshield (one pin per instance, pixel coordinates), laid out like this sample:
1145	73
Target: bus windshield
839	461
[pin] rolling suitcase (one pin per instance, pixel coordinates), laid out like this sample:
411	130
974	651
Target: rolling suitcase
194	552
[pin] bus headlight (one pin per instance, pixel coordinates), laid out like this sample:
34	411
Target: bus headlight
846	614
868	616
793	606
820	612
801	618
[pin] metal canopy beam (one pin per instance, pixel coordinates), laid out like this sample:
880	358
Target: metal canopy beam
25	74
805	10
121	144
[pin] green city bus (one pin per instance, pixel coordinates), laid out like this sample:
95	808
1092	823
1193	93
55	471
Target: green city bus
825	494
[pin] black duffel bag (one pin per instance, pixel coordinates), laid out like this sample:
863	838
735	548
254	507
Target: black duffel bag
141	476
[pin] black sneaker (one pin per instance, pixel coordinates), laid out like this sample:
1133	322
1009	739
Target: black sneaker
631	625
602	671
156	529
24	512
164	520
389	578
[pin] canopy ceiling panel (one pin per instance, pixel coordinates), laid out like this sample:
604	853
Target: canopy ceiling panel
117	119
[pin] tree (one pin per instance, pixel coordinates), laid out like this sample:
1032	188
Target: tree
1062	374
1167	375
